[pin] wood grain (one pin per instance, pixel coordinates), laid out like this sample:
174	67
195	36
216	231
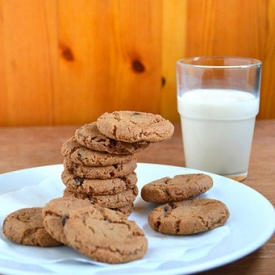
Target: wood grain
105	62
28	31
66	62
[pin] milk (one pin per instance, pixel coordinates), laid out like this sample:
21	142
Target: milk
217	128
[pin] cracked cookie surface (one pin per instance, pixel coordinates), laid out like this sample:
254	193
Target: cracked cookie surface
25	226
101	172
54	211
188	217
178	188
130	126
89	136
118	200
98	186
105	235
77	153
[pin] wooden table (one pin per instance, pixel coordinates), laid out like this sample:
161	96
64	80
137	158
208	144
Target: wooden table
25	147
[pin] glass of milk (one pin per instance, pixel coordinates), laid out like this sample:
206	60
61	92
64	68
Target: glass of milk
218	100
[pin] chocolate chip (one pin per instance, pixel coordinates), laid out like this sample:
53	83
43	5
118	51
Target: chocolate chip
166	209
64	219
78	181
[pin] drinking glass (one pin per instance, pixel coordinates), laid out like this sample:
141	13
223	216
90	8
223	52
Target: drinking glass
218	100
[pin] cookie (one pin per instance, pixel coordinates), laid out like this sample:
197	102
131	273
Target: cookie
110	201
77	153
25	226
101	172
130	126
126	209
98	186
105	235
177	188
54	211
89	136
188	217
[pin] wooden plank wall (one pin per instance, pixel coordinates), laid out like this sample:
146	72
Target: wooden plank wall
66	62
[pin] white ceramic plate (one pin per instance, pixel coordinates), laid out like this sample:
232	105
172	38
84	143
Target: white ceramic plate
251	224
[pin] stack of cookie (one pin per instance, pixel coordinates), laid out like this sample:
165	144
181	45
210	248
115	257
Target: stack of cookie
105	179
100	159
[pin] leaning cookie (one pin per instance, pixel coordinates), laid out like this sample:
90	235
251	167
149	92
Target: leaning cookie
25	226
77	153
130	126
178	188
89	136
105	235
55	211
188	217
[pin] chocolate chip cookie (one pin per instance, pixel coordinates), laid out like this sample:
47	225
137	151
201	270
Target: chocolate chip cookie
118	200
79	154
178	188
98	186
101	172
105	235
126	209
25	226
89	136
55	210
189	216
130	126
